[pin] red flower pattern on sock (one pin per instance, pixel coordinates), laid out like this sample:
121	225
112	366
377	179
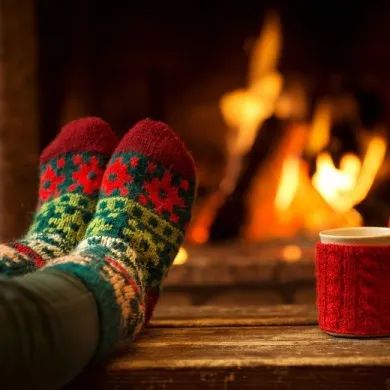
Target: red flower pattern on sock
163	195
49	183
88	177
116	175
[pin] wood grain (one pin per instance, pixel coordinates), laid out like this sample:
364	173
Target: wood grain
248	354
198	316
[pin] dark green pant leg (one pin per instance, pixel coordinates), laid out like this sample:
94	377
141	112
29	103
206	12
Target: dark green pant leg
49	330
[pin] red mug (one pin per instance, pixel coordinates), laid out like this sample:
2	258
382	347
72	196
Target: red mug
353	281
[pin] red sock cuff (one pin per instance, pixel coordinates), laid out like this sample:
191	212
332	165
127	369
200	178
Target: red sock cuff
157	141
353	289
83	135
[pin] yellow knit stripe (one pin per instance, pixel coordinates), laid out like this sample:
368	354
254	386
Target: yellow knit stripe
152	253
66	222
147	215
69	199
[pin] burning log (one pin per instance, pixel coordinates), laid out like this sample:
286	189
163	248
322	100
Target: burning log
232	215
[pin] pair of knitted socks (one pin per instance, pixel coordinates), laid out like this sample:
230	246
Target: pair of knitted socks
113	215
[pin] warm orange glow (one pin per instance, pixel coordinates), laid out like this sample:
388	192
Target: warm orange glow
347	186
291	253
267	49
200	234
373	160
181	257
288	183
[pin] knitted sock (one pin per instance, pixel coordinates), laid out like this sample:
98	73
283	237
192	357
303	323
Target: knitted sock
71	170
142	214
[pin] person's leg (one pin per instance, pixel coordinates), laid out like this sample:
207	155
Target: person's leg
71	171
79	307
141	217
49	330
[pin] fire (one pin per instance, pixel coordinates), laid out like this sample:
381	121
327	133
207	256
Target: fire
320	130
345	187
181	257
288	183
336	184
245	109
282	198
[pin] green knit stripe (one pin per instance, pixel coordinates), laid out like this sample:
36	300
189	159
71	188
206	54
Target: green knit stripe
68	216
116	216
155	240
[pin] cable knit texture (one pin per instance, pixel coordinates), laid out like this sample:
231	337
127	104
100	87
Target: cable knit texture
143	211
353	289
71	171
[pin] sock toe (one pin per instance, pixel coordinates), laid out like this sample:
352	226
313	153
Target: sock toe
90	134
160	143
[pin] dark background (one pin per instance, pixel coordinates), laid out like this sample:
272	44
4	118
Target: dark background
123	61
173	61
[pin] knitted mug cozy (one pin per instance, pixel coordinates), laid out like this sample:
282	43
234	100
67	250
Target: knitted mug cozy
353	289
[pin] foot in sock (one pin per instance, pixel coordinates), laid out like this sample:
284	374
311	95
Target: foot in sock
71	171
141	217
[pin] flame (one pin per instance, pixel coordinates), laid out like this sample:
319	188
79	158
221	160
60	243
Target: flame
245	109
283	199
288	184
347	186
267	49
343	187
181	257
373	160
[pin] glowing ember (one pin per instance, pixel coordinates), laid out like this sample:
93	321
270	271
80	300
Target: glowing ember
181	257
291	253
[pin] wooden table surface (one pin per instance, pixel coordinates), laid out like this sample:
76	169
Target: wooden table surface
275	347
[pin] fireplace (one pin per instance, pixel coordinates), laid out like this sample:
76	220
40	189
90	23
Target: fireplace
284	106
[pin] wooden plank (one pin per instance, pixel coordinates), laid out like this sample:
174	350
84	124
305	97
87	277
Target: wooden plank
255	378
199	316
248	346
266	357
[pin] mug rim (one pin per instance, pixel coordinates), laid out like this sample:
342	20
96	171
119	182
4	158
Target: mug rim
367	234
